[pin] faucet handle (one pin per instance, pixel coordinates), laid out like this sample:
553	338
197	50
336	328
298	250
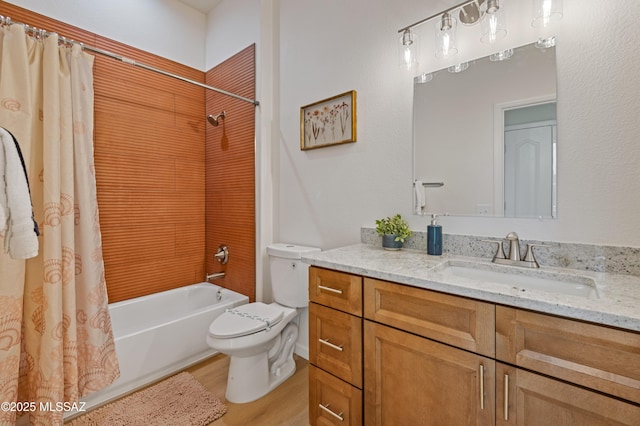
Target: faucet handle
529	256
499	250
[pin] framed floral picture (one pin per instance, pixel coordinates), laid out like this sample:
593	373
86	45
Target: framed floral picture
328	122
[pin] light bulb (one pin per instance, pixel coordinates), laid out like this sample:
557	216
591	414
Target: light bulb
545	12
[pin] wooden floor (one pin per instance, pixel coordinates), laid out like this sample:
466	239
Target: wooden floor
287	405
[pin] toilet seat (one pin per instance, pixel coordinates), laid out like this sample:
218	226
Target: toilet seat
246	319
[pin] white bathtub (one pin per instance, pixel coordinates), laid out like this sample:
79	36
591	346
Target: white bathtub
162	333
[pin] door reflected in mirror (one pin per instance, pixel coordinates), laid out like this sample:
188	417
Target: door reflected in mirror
489	133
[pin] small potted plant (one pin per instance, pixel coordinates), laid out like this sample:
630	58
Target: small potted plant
393	230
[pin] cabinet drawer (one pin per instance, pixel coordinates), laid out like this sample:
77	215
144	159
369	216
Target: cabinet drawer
457	321
332	401
338	290
598	357
335	343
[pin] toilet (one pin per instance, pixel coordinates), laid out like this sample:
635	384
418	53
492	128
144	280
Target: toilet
259	338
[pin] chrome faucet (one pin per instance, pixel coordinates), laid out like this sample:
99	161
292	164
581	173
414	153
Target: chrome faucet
528	261
215	275
514	246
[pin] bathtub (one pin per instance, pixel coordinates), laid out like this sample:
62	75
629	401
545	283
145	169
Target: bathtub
162	333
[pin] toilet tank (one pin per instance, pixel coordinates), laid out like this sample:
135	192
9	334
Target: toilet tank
289	275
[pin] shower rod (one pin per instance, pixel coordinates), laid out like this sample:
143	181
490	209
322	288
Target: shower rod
5	20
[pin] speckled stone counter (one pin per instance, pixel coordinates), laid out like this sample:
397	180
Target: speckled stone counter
617	302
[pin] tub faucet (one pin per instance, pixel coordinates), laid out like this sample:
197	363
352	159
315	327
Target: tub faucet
514	259
215	275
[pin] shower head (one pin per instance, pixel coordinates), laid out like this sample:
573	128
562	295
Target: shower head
213	119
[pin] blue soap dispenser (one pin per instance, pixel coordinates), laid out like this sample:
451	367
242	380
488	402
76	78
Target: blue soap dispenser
434	237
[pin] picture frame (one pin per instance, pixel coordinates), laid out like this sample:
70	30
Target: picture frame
328	122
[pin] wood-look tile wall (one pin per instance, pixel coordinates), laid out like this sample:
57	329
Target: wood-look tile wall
230	173
149	154
150	168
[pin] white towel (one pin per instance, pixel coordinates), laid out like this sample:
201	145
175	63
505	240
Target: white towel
420	198
20	237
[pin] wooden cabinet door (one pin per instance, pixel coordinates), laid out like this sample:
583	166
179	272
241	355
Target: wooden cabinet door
332	401
410	380
529	399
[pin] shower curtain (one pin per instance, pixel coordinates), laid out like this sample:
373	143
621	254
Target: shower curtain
56	342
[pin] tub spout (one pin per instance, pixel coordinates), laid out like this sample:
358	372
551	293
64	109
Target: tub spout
215	275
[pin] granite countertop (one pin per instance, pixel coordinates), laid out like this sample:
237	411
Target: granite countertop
616	304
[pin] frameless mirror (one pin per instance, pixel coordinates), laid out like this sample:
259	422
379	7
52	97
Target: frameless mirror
484	139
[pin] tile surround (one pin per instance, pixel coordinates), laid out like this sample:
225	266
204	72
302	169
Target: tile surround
610	259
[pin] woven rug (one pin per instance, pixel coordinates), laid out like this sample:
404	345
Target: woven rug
178	400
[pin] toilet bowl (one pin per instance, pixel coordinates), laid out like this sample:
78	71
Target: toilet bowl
260	338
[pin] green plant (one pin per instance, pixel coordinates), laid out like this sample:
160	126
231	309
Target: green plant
395	225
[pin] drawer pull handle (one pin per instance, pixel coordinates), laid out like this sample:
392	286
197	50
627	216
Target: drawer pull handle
506	397
333	290
481	387
326	408
331	345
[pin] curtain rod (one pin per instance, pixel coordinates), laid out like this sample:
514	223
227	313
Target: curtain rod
43	33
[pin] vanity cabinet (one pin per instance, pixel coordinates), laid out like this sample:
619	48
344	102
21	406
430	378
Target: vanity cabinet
437	359
335	348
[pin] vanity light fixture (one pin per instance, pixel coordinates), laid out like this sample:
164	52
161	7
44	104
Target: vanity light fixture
446	36
471	13
492	18
458	68
545	12
501	56
493	26
423	78
545	43
408	49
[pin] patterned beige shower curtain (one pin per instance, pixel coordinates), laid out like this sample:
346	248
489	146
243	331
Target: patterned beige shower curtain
56	342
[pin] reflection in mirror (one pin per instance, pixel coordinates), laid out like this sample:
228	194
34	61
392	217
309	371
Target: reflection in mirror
489	133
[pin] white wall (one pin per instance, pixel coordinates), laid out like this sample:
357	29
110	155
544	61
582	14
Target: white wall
333	46
166	28
231	26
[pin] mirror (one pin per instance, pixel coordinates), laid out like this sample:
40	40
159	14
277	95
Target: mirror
488	134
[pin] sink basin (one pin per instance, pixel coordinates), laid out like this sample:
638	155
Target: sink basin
522	279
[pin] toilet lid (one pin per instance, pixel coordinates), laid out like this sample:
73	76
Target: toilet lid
245	319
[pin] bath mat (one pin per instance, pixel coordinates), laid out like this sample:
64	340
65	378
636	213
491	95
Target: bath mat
178	400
